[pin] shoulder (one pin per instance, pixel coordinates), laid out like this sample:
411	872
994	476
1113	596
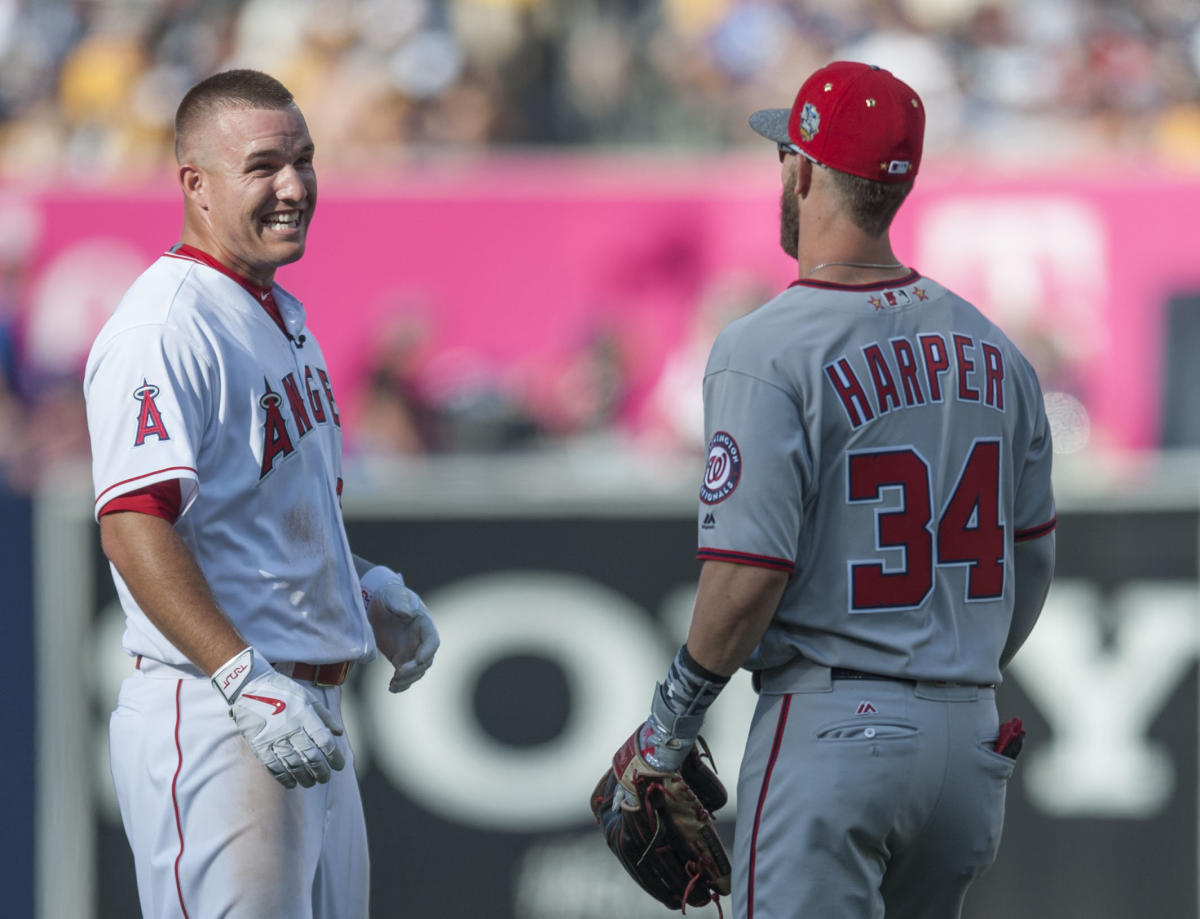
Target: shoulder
744	342
787	333
165	301
154	296
972	319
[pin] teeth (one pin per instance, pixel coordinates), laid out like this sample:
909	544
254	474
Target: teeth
282	220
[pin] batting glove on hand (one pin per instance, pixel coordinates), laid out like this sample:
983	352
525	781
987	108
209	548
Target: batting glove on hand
288	729
404	631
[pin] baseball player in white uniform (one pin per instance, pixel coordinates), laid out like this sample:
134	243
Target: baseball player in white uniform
876	528
216	444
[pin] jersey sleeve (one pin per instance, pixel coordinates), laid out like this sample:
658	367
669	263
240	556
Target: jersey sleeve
1034	502
146	406
163	499
752	496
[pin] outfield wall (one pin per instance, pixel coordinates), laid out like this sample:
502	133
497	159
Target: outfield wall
561	590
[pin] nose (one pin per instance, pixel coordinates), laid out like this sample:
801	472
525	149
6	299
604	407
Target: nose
289	185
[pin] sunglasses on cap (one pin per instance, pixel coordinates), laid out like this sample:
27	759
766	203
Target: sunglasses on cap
786	150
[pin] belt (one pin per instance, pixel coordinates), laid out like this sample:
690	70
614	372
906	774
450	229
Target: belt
320	674
842	673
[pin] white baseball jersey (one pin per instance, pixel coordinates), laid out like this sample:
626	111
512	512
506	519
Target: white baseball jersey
191	379
886	445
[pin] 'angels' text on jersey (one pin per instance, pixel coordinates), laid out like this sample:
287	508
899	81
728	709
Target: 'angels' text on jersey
904	373
277	440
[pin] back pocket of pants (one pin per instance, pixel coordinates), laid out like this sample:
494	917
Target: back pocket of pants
842	731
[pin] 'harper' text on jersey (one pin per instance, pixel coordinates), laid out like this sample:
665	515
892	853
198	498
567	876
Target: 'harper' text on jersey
277	441
906	373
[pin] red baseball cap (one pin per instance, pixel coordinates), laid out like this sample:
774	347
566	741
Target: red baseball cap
854	118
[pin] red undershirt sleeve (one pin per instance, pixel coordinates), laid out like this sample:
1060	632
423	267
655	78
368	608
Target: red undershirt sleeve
163	499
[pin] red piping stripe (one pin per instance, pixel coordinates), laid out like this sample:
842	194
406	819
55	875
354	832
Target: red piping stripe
1035	532
175	798
746	558
184	258
762	797
144	475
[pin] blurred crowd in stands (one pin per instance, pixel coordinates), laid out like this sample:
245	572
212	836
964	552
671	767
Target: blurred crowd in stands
91	85
88	90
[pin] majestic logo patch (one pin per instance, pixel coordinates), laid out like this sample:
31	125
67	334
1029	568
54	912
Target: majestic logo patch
723	470
150	423
866	708
710	521
810	121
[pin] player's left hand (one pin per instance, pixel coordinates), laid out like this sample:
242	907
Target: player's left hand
404	632
660	827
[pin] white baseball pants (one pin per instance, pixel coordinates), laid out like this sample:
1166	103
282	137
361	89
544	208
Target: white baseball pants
214	836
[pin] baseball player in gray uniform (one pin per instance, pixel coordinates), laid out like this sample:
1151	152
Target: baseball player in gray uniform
876	525
216	449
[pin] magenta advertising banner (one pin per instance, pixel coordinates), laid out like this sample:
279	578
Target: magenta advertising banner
520	275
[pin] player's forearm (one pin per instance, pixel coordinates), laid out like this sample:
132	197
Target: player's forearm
734	606
1033	564
168	585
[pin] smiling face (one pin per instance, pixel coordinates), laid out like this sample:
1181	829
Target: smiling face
250	189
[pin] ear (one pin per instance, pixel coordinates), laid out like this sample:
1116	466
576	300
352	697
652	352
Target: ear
804	176
195	189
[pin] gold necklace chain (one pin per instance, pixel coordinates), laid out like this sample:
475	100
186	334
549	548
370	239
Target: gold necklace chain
853	265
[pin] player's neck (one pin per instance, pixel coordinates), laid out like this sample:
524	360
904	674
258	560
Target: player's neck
209	245
854	272
832	248
849	257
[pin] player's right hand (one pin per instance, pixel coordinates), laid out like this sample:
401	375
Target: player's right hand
288	729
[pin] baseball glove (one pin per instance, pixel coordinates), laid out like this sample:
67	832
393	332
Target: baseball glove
660	826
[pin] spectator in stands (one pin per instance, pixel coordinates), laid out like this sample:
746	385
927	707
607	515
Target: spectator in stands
94	84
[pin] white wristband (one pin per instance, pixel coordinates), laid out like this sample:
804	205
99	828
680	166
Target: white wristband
374	579
237	671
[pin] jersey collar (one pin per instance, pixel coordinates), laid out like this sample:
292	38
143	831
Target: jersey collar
880	285
263	296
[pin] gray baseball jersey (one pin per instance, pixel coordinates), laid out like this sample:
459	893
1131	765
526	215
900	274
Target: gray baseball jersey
885	444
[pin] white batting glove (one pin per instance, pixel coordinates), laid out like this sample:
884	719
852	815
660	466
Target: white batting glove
288	729
404	631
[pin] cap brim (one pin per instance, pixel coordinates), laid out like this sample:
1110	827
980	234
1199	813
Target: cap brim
772	123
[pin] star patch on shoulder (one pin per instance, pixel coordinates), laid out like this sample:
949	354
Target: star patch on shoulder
876	302
920	293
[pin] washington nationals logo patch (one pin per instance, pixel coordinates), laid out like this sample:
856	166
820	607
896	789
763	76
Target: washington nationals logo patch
723	470
150	423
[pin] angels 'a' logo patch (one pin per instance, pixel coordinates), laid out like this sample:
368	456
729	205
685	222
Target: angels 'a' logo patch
723	470
150	422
